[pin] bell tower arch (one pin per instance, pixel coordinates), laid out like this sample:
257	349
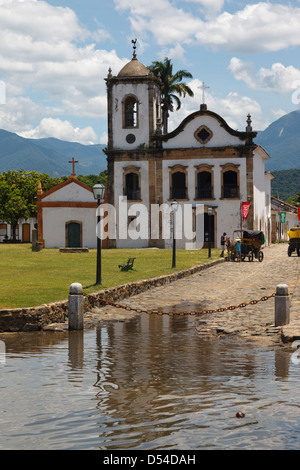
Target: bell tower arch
134	106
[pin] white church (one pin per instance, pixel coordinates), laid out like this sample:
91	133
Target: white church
203	163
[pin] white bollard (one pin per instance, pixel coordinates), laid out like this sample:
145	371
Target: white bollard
76	307
282	305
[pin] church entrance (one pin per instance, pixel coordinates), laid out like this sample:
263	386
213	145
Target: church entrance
73	235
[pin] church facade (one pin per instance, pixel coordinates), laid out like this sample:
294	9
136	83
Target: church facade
209	168
66	215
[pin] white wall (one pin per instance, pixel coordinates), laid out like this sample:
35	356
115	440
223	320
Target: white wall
71	192
31	221
54	225
186	139
227	211
118	186
142	131
55	218
262	196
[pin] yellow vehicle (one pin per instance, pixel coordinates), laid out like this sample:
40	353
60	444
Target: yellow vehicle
294	242
251	244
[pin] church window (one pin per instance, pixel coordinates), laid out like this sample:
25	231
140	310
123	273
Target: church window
204	182
132	184
230	182
178	182
130	112
203	134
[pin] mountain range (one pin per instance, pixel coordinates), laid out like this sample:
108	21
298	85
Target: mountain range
49	155
282	142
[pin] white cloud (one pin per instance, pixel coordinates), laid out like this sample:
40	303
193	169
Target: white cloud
233	108
62	130
259	27
278	78
18	113
46	58
176	52
104	138
168	24
242	70
209	7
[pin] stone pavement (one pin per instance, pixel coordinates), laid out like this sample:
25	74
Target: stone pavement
223	285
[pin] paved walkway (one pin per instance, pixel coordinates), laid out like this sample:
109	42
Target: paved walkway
223	285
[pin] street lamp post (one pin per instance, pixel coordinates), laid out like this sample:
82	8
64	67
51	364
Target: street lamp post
209	213
174	207
98	191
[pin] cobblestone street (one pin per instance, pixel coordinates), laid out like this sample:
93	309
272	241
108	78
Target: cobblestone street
223	285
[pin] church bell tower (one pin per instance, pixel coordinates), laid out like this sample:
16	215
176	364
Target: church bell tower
134	106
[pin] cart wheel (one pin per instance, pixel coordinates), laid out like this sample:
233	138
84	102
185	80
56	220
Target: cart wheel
260	256
289	251
250	256
298	251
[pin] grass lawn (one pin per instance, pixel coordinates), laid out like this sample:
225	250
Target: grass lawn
29	279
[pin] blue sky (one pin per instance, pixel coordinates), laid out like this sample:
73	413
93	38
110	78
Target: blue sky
55	54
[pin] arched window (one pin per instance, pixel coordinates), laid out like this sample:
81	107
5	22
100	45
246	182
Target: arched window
204	181
230	182
130	112
204	185
178	182
131	183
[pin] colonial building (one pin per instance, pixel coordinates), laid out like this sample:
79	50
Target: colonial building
284	217
203	163
23	230
67	215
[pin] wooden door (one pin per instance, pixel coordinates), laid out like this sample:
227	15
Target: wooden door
26	233
73	235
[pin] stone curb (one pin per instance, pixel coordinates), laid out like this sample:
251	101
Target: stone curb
36	318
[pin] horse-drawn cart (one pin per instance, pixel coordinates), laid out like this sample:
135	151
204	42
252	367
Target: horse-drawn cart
294	241
251	245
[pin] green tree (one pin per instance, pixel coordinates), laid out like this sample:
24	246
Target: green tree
90	180
18	191
172	87
294	200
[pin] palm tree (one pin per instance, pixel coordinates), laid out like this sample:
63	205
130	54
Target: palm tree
172	86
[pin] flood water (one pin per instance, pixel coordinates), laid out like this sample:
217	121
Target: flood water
149	383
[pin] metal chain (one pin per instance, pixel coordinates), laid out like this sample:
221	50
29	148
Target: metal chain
192	312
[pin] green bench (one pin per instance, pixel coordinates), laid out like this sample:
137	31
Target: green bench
128	265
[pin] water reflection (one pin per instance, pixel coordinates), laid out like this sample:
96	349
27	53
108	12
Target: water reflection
149	383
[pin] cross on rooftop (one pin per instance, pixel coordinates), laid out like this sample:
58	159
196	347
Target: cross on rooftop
203	87
73	161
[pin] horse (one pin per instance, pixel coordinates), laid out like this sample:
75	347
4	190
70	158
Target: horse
230	247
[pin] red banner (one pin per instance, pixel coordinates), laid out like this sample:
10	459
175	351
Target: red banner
245	209
298	213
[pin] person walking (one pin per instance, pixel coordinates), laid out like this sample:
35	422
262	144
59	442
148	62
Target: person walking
238	249
223	240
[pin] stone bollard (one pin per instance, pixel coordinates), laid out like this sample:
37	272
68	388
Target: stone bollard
282	305
34	236
76	307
